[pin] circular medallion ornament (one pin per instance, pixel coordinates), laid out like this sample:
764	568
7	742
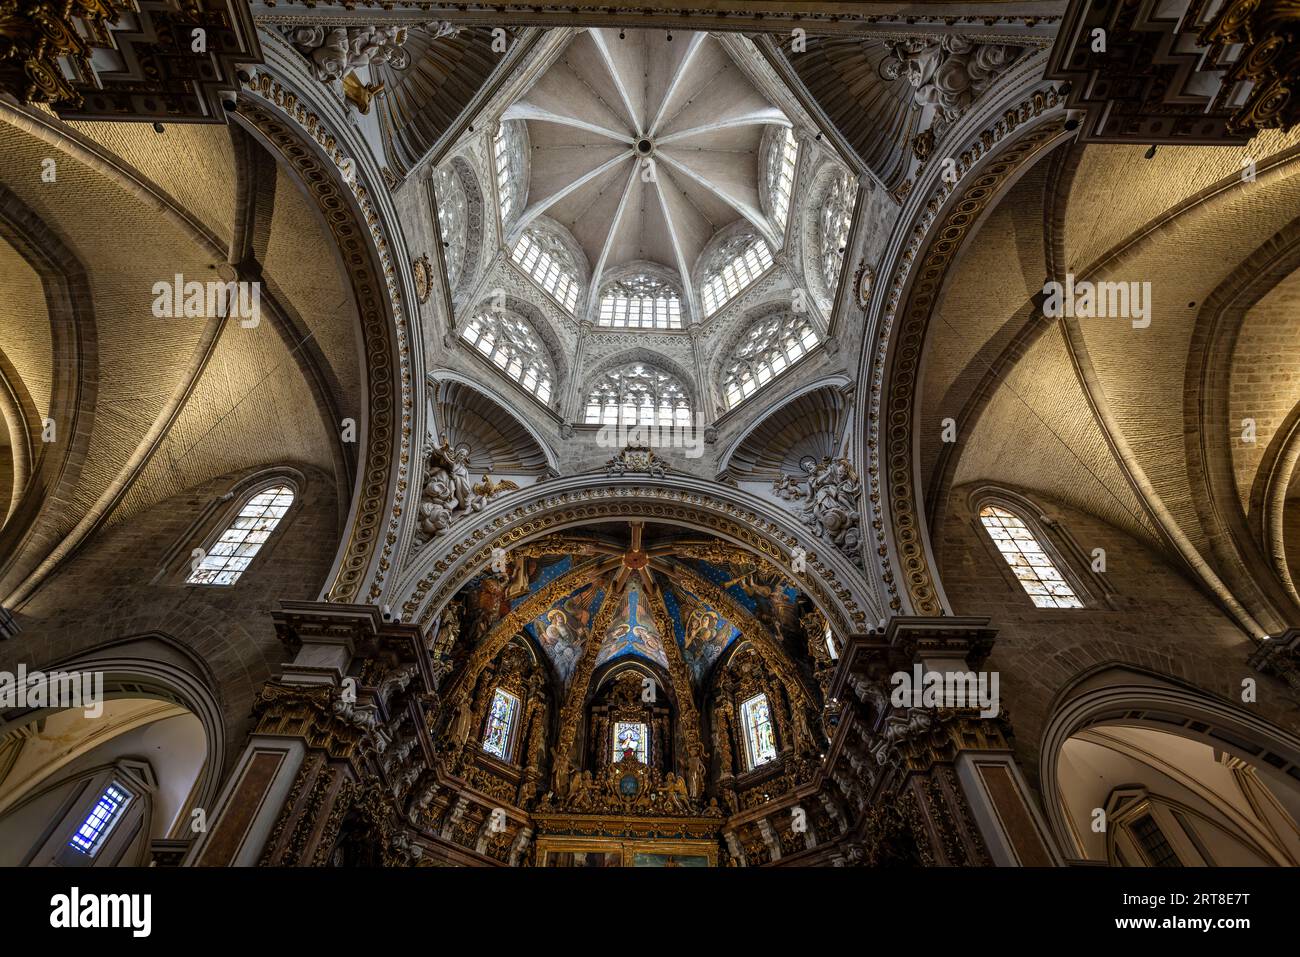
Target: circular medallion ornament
863	283
628	785
423	270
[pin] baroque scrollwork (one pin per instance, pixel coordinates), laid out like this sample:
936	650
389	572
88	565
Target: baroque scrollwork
948	74
337	51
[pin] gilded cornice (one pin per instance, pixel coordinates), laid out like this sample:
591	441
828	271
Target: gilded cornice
940	227
349	209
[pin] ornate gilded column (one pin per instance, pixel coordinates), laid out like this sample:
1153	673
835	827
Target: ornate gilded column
932	751
341	734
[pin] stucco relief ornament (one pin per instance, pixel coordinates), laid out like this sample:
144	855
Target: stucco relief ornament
635	458
948	74
863	282
830	494
423	271
448	493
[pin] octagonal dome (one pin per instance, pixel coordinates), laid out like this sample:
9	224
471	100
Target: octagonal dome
644	148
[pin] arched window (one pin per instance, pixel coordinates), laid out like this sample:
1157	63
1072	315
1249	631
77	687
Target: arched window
770	346
546	261
738	263
452	220
783	151
232	553
760	742
507	151
100	821
834	218
1035	571
640	302
630	738
498	734
638	394
508	341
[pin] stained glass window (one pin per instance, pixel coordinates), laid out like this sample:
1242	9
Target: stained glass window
740	262
232	553
90	836
496	737
784	150
638	395
760	742
1033	568
510	344
545	260
452	220
769	347
640	302
630	736
835	216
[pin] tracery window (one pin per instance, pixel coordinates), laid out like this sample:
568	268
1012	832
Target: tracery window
769	347
452	219
638	394
506	148
782	154
760	742
640	302
631	736
742	260
500	724
1035	571
232	553
834	218
94	830
545	260
510	344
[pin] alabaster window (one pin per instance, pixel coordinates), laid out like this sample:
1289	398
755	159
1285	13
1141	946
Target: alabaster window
638	394
781	157
510	344
500	724
769	347
1030	563
631	737
546	262
100	821
640	302
1155	846
452	220
760	742
505	148
833	228
231	554
738	264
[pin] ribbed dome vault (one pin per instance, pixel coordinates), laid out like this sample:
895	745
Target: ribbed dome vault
644	148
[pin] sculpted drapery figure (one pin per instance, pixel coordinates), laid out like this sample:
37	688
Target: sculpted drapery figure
448	491
948	73
830	496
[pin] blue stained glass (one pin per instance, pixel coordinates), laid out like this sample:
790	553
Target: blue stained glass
496	739
100	820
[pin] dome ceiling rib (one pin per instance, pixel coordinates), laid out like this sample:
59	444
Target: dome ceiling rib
644	148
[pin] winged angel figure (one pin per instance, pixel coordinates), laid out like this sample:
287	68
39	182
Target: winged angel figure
448	492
